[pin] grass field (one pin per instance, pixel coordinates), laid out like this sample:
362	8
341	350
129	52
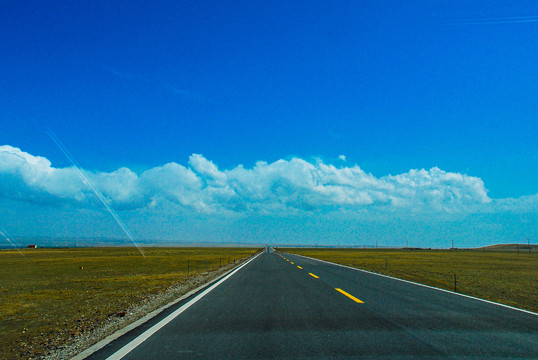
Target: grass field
48	297
505	277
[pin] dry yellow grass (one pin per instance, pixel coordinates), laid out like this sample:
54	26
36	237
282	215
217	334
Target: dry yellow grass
46	299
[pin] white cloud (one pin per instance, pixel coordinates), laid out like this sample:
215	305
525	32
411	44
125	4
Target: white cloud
207	170
282	187
32	178
27	177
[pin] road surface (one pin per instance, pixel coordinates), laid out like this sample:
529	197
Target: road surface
282	306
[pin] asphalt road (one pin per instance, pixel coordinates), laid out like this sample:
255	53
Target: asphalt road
282	306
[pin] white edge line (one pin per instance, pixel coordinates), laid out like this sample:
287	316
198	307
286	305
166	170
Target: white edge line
423	285
101	344
146	334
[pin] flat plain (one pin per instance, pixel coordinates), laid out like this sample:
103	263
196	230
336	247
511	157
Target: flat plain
49	297
506	277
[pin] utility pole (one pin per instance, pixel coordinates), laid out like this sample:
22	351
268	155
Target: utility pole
452	244
529	245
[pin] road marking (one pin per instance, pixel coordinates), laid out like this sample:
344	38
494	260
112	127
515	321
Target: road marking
299	267
426	286
349	296
291	262
152	330
315	276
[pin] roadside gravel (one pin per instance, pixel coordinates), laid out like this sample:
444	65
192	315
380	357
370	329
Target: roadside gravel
123	317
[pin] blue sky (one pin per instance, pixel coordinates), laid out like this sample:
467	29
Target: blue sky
392	86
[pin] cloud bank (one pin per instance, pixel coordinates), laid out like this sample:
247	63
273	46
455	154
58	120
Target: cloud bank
279	188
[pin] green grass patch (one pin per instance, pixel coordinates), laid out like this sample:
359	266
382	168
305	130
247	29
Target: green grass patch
50	296
505	277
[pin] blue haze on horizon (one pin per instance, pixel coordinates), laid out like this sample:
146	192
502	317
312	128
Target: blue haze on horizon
305	87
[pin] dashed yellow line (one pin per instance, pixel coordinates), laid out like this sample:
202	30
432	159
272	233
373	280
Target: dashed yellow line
337	289
349	295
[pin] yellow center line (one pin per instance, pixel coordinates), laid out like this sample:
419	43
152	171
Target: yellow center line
315	276
291	262
299	267
350	296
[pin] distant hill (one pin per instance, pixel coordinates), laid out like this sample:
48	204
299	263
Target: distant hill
510	247
22	242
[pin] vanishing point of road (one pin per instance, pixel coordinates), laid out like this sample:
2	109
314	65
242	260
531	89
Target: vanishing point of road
283	306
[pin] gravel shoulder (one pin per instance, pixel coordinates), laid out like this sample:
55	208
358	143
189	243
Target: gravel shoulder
124	317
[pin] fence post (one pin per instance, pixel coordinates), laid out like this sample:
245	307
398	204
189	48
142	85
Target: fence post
188	268
220	262
206	267
386	264
455	284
